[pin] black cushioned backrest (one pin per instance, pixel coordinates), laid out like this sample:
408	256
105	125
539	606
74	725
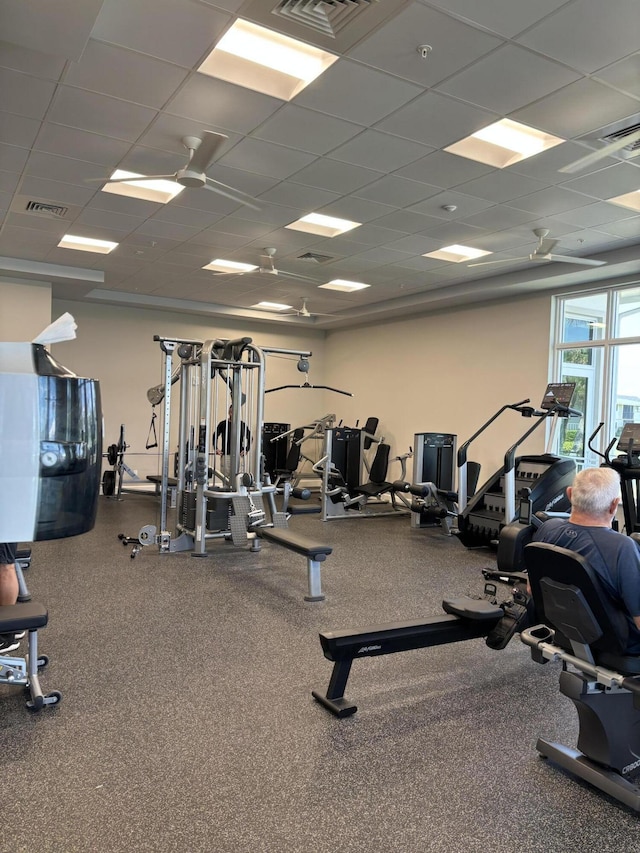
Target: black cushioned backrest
378	473
371	426
293	456
473	475
569	598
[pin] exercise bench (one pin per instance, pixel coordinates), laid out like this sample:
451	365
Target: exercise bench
314	552
17	671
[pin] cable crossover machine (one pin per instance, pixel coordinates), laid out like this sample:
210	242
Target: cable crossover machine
221	490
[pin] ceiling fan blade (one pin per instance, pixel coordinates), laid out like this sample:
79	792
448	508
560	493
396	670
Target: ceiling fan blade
502	261
567	259
286	274
206	151
234	190
601	153
546	246
228	195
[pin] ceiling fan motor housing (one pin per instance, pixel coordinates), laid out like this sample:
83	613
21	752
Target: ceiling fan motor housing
190	178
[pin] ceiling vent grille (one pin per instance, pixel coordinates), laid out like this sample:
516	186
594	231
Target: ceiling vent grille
328	17
43	208
313	258
620	134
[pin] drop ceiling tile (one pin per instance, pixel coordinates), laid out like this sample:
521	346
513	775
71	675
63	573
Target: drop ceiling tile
466	205
153	161
61	28
200	219
219	243
121	73
105	219
70	142
443	170
448	233
356	93
123	204
498	217
235	225
595	215
508	79
9	182
24	95
335	176
551	200
546	165
199	199
20	58
380	256
412	244
404	220
587	34
357	209
42	228
436	120
379	151
372	234
392	48
398	192
57	168
55	191
501	16
307	130
501	186
100	114
18	130
623	229
266	158
275	215
611	181
155	228
12	158
180	31
298	196
222	105
623	75
577	109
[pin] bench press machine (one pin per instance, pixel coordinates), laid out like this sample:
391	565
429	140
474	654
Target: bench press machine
24	671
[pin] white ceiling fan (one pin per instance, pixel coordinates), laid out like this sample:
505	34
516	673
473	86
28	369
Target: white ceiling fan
267	266
202	151
303	311
543	254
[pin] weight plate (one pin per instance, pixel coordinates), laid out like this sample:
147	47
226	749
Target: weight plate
112	454
108	483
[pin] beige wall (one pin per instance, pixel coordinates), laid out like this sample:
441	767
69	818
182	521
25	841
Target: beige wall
25	309
115	345
448	373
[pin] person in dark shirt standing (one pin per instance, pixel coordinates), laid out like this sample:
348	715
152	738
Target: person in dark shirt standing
614	557
222	442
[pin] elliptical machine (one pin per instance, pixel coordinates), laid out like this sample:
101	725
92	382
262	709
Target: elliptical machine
627	464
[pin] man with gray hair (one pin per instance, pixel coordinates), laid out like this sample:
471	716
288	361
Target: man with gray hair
615	558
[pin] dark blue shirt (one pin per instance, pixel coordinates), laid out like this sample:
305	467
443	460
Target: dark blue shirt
615	558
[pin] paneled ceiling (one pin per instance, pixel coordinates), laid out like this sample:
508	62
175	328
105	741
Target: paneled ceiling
89	86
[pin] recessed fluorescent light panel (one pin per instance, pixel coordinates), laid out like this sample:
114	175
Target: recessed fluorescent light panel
272	306
159	191
86	244
220	265
344	285
504	143
325	226
456	253
629	200
265	61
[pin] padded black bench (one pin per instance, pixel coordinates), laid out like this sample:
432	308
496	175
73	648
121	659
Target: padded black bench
314	552
28	616
466	619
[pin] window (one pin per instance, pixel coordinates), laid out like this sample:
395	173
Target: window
598	347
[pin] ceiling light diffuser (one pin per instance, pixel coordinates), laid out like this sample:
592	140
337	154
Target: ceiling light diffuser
629	200
159	191
504	143
265	61
220	265
86	244
343	284
456	253
272	306
324	226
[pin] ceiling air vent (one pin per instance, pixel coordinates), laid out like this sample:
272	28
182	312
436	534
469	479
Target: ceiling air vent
47	209
313	258
628	150
328	17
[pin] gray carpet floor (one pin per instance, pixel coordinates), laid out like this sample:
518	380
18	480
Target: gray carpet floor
187	722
